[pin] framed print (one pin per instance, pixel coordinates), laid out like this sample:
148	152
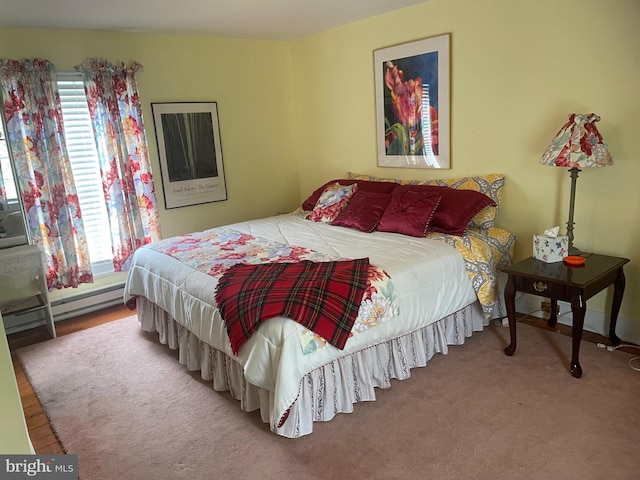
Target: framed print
188	136
412	83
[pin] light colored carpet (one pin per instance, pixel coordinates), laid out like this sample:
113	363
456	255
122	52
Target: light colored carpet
120	400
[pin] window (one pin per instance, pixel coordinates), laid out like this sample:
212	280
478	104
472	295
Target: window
85	167
86	170
7	171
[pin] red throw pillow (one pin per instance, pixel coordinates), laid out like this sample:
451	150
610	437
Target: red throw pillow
457	207
409	212
364	211
366	185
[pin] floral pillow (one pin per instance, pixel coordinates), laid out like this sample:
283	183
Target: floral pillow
332	201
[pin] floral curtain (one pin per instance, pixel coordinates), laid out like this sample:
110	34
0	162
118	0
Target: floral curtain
116	115
3	193
4	205
33	117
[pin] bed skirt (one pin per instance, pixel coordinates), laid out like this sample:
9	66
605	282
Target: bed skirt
328	390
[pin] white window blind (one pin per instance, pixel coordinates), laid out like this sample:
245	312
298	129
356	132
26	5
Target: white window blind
86	171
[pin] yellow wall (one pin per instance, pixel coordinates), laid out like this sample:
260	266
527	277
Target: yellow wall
294	115
250	80
518	68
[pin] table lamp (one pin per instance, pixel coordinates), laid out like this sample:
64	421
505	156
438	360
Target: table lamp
577	145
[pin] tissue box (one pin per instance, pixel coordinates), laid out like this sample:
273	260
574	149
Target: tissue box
550	249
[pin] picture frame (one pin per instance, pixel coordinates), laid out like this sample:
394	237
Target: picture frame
413	103
190	151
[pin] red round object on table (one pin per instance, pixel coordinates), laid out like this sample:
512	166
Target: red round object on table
574	260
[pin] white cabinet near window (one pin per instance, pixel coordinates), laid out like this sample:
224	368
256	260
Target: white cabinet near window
23	283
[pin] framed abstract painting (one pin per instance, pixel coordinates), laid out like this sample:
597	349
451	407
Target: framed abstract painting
413	103
190	152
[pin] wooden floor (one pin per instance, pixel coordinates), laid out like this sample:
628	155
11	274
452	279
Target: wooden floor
42	436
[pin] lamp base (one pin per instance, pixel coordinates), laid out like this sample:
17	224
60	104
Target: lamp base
574	251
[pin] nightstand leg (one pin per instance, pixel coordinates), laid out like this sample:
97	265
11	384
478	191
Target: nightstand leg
618	291
510	300
553	316
578	308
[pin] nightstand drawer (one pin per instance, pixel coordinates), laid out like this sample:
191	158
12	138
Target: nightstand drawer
543	288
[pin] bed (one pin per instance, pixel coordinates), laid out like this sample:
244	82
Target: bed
431	289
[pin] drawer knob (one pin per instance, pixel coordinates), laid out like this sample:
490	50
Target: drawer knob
540	286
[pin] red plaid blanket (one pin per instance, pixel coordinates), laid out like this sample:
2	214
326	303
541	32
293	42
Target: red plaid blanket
323	296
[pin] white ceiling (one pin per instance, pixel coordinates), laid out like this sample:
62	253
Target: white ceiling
255	19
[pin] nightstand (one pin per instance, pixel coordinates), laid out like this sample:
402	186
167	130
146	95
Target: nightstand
574	284
22	272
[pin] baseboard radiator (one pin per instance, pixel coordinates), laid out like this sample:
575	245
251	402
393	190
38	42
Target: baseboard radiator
69	307
87	303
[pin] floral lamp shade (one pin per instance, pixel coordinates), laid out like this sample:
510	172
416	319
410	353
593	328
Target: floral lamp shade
578	144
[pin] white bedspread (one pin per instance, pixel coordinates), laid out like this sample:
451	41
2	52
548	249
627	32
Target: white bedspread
429	278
